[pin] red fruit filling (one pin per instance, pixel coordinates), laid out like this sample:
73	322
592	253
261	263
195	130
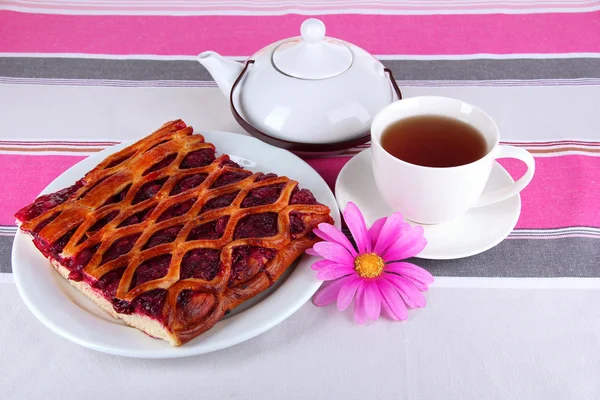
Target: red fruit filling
187	183
165	162
151	303
176	210
219	202
209	231
257	226
265	177
263	195
303	196
109	282
57	247
45	222
122	306
79	262
137	217
151	269
230	177
198	158
117	198
229	163
120	247
101	223
201	264
148	190
82	258
165	236
47	202
297	224
248	261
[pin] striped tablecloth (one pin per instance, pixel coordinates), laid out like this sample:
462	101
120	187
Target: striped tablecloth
517	321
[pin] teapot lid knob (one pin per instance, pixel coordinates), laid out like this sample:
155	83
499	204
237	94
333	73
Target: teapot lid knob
312	30
313	57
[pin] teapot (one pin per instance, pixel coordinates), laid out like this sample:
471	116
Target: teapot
310	94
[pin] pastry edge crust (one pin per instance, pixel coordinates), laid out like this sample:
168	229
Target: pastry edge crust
145	324
149	326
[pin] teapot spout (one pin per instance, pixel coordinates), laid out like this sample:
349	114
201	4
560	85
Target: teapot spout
223	71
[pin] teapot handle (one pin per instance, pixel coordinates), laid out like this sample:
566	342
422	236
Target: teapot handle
300	147
394	84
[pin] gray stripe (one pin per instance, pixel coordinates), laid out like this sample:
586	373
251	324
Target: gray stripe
5	249
405	70
568	257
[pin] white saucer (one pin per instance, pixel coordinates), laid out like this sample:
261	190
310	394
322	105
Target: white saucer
474	232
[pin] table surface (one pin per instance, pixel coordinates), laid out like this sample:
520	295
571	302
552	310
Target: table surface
519	321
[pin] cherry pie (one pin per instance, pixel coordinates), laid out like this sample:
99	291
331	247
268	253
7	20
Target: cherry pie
168	237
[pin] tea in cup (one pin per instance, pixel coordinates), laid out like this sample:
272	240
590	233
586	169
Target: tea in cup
432	157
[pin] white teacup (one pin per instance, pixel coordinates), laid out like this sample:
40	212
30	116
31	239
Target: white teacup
430	195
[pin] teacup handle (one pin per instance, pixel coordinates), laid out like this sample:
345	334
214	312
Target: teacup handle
510	190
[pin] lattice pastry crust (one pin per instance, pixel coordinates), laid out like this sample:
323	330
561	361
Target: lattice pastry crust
169	237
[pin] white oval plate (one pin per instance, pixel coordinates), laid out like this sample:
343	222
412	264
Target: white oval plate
69	313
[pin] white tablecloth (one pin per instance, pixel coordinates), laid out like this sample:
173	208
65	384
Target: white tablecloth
76	77
468	343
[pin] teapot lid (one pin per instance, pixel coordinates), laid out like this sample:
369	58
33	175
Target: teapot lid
314	56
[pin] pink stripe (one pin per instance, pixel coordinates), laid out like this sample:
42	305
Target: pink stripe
534	237
22	178
565	191
379	34
95	6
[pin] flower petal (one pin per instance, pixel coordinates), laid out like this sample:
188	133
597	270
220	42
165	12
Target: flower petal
347	292
385	310
375	230
392	300
334	271
419	285
311	252
356	223
409	270
391	231
330	233
372	300
409	245
409	293
322	263
328	292
334	252
359	307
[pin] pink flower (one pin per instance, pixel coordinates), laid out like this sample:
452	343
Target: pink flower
372	273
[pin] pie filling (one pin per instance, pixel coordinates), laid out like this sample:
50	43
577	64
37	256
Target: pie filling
198	263
201	264
47	202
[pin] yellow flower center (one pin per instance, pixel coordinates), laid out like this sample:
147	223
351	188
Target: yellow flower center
368	265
